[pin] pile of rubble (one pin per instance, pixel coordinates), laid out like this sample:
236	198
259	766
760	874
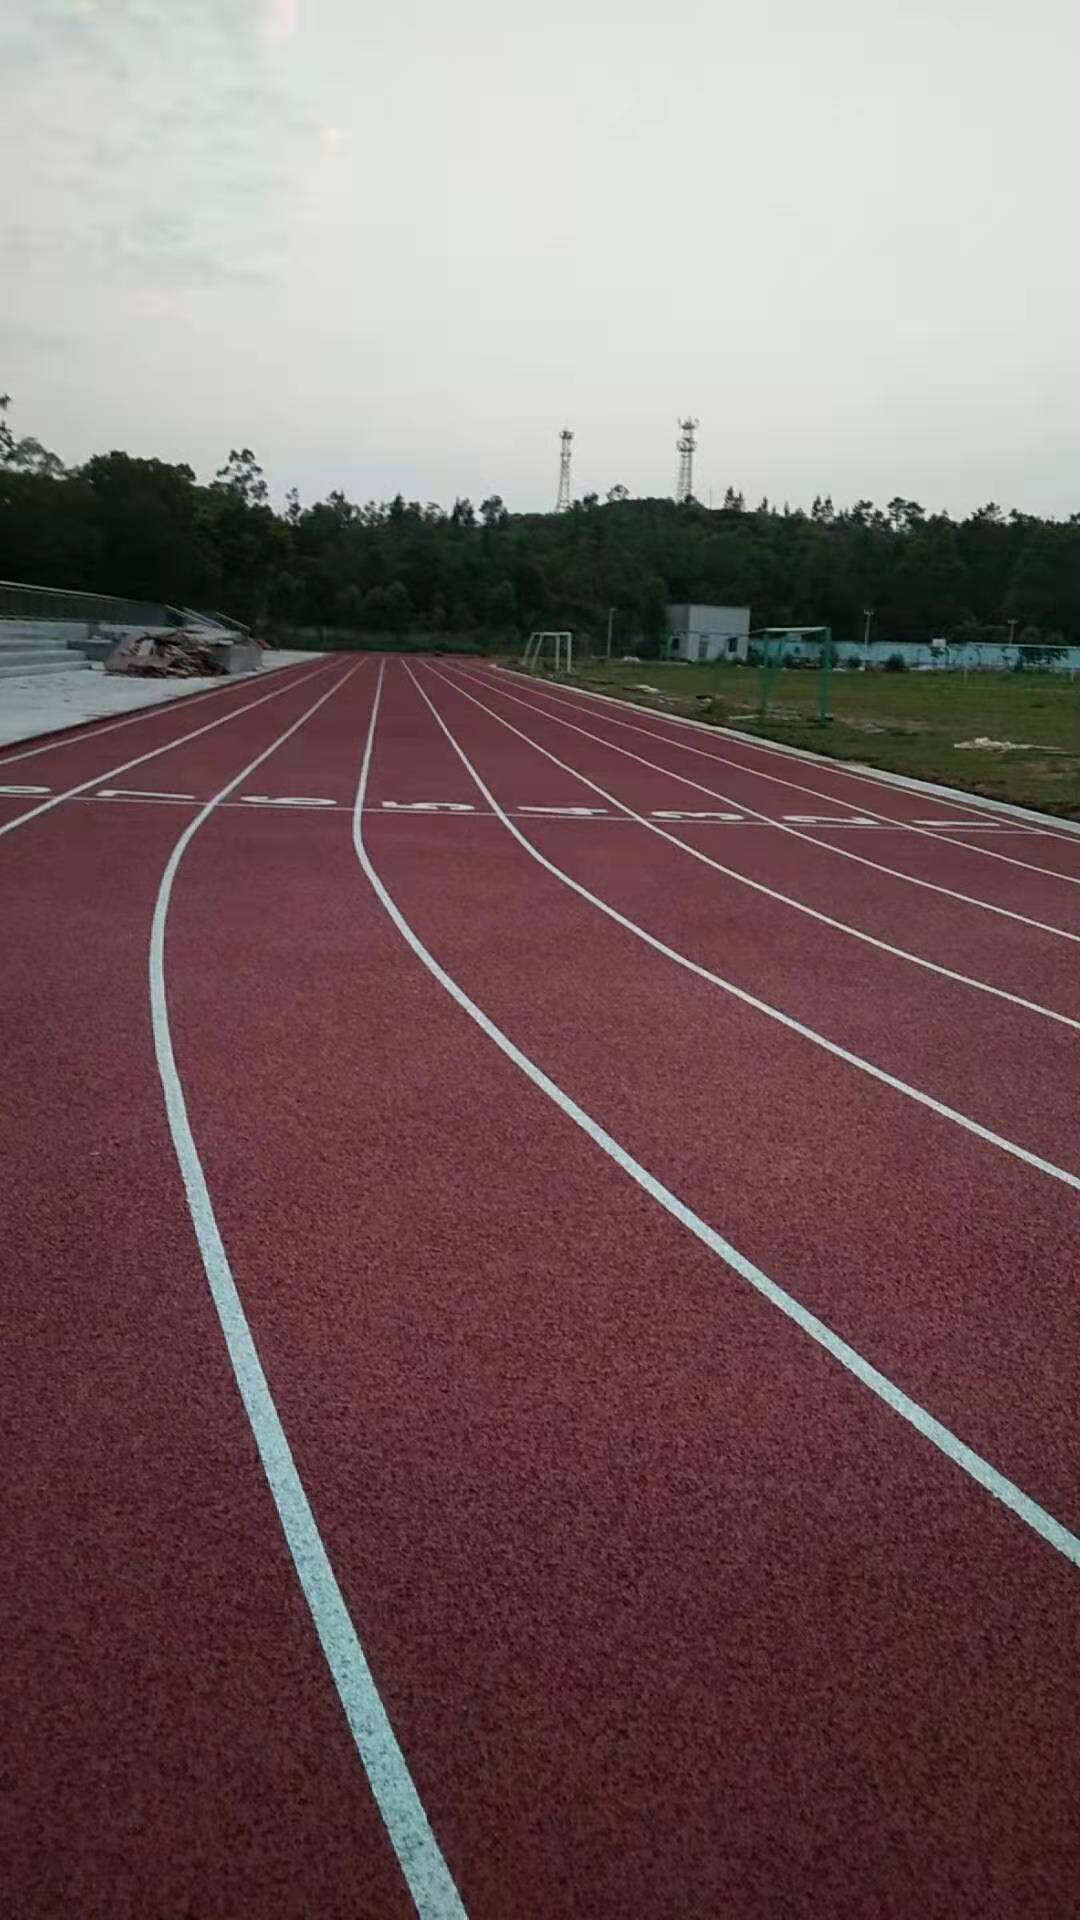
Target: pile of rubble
182	652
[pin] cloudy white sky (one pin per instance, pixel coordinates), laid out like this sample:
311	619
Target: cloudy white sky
401	246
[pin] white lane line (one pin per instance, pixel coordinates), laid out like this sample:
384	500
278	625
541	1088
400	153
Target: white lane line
879	777
422	1864
456	808
750	999
568	697
139	793
80	736
428	806
676	813
284	800
831	820
911	826
1011	1496
564	813
116	798
842	853
21	819
759	773
1029	819
143	799
756	886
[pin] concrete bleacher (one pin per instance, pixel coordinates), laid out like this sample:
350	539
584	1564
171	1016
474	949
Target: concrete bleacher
41	646
49	630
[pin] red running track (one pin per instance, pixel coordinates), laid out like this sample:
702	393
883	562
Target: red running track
669	1613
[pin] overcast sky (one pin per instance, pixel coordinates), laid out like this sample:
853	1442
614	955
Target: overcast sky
399	247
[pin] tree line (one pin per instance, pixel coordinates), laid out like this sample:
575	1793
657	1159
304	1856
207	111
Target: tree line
150	529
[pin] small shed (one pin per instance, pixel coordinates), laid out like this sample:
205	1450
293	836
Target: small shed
708	633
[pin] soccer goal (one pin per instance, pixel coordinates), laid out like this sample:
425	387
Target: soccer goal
560	646
798	646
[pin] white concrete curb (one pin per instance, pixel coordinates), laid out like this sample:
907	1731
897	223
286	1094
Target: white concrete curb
1056	821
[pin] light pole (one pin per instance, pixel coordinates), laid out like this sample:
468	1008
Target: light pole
868	614
610	624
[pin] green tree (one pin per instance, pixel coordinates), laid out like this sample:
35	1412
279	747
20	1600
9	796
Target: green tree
1045	584
493	513
150	538
398	608
929	585
243	476
349	607
501	607
249	541
373	610
26	455
285	598
653	616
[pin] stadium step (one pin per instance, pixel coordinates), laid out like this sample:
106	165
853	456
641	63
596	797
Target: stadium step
16	662
38	647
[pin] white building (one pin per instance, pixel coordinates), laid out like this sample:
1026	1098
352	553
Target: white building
708	633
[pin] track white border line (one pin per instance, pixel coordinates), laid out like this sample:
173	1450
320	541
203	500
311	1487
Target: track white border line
317	803
986	1476
838	1052
555	687
81	731
1046	826
110	773
798	833
1054	826
426	1873
760	773
757	886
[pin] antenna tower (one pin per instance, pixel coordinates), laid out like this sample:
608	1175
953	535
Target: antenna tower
563	501
686	444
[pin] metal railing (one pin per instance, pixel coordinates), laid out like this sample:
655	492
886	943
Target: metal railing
19	600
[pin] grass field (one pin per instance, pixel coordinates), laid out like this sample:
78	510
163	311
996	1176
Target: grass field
913	723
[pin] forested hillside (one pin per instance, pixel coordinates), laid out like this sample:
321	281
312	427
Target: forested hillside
147	527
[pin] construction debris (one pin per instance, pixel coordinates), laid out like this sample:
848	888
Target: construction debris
986	745
182	652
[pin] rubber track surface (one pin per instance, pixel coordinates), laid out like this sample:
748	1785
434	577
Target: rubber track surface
670	1616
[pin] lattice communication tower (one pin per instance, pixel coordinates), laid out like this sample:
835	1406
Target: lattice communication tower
565	441
686	444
